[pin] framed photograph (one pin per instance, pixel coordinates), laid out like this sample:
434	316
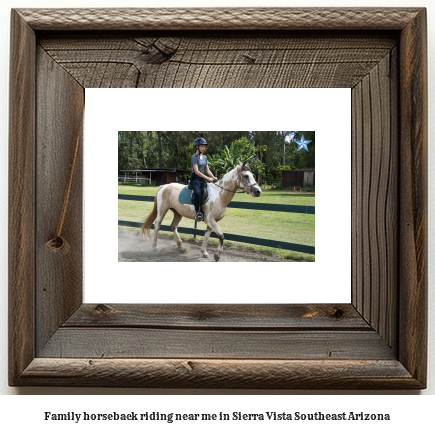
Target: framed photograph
376	341
115	119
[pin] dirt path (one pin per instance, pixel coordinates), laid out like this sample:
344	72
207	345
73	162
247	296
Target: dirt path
132	247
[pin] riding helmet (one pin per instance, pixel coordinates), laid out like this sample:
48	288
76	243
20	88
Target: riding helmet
199	141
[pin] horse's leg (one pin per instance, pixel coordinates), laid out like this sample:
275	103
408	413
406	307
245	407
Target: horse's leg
174	225
214	226
161	212
204	243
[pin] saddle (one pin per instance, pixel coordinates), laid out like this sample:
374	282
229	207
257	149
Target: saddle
186	195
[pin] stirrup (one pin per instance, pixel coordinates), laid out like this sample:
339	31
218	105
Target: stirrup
199	217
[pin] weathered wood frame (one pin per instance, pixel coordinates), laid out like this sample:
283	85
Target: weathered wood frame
377	341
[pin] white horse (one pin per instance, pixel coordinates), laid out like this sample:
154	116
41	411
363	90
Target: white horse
214	209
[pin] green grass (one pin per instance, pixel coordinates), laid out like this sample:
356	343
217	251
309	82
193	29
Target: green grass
290	227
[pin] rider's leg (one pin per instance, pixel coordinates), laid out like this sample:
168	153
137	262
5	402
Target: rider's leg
196	187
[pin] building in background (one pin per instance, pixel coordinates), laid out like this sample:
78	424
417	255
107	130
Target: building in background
298	177
154	176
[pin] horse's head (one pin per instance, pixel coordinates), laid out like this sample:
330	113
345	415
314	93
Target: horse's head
247	182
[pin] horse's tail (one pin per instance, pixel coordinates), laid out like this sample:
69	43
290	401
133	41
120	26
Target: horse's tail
151	218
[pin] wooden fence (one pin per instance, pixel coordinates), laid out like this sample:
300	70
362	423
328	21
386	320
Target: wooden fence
302	248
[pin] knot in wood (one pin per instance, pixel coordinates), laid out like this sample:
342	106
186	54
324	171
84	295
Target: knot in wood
58	244
249	59
157	52
338	313
103	309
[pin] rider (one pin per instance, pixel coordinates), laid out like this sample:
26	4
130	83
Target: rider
199	163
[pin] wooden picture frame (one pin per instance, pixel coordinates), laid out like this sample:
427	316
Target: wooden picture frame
376	341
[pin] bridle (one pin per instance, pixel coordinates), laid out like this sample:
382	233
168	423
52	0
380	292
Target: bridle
235	191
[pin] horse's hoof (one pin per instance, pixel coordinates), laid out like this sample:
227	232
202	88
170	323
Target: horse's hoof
205	255
216	257
182	250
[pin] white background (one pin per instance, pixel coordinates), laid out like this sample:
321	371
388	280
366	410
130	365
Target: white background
325	111
26	412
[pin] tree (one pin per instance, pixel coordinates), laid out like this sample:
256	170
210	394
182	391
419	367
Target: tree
287	137
303	159
130	150
174	149
270	144
240	151
159	139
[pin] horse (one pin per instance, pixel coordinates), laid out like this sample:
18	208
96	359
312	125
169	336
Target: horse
222	192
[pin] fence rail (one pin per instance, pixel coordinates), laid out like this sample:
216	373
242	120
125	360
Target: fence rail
302	248
271	181
244	205
137	179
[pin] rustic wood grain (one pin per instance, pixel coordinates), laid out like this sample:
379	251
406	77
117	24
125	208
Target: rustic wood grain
375	198
21	197
229	374
235	60
59	280
220	317
357	197
378	342
127	342
413	188
392	226
377	215
220	18
387	324
365	192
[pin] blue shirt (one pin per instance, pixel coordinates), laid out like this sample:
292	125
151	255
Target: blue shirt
201	162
